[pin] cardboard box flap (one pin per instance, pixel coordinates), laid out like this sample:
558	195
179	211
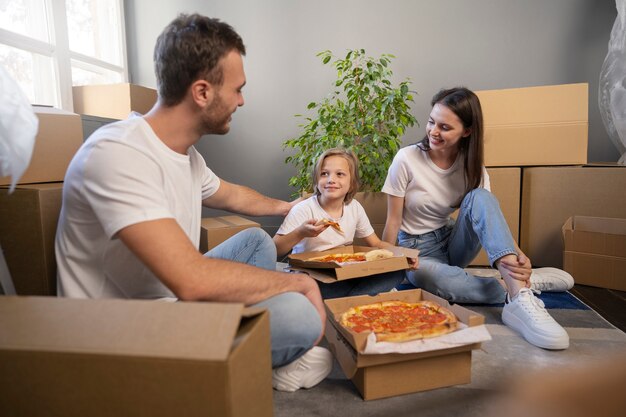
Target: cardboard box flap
612	226
194	331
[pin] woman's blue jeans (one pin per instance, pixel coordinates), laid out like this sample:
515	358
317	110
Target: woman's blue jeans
446	251
295	324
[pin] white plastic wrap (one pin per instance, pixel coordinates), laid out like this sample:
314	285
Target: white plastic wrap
612	88
18	128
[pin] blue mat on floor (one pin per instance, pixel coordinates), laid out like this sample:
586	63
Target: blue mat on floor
562	300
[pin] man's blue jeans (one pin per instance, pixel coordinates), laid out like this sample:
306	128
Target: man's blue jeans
295	324
446	251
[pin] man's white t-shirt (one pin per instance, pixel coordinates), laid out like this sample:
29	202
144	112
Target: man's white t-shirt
353	222
428	191
123	175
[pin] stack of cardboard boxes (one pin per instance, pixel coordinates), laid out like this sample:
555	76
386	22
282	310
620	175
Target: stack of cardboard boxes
542	131
28	216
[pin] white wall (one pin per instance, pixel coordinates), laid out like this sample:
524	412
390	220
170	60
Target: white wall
481	44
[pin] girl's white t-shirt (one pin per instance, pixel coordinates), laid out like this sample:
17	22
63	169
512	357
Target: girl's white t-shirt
353	222
428	191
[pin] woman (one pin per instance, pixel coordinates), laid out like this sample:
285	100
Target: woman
426	183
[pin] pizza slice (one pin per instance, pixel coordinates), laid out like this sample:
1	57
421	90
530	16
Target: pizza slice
335	225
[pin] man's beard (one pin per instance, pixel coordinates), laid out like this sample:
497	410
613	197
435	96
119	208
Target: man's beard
215	119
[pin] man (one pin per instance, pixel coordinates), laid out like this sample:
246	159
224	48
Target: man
132	200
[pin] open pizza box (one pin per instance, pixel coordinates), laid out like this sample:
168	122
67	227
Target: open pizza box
329	272
390	374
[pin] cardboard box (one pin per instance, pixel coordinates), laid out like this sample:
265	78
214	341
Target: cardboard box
215	230
59	136
386	375
28	224
550	195
506	184
69	357
113	101
330	272
595	251
536	125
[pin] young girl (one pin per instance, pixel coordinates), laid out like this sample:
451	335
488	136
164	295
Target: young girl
426	182
336	181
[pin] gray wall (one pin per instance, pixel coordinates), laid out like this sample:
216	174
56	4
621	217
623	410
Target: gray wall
481	44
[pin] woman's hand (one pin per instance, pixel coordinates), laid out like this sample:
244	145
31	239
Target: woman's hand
518	267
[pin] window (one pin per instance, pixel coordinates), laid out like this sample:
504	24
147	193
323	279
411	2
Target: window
50	45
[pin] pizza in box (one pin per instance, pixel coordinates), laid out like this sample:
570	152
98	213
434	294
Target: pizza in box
400	321
340	258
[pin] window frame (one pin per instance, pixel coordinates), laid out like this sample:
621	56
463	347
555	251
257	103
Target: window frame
59	50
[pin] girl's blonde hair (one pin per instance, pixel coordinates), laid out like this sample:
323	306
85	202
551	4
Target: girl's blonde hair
353	164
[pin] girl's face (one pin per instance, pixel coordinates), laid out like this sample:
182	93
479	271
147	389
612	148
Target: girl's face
334	179
444	129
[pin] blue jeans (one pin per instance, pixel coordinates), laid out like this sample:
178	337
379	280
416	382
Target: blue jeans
371	285
295	324
446	251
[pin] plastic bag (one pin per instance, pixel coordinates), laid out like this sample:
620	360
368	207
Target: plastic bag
612	88
18	128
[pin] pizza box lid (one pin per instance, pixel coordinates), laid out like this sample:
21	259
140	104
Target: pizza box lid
329	272
337	306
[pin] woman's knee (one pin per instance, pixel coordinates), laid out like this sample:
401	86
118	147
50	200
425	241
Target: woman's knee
479	196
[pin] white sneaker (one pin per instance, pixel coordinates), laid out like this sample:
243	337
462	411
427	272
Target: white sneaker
550	280
305	372
526	314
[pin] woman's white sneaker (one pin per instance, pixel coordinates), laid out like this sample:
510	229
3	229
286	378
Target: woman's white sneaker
550	280
305	372
527	315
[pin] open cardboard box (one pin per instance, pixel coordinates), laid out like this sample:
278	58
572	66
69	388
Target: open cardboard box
70	357
595	251
386	375
329	272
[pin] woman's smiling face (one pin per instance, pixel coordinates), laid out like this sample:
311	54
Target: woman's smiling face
444	129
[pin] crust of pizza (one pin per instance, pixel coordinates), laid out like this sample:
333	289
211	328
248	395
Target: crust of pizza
377	254
398	321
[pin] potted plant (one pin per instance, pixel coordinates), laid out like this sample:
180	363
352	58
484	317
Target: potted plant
365	113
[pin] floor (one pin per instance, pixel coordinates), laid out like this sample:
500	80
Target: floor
610	304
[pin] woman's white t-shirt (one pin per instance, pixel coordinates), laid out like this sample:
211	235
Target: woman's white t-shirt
428	191
353	222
